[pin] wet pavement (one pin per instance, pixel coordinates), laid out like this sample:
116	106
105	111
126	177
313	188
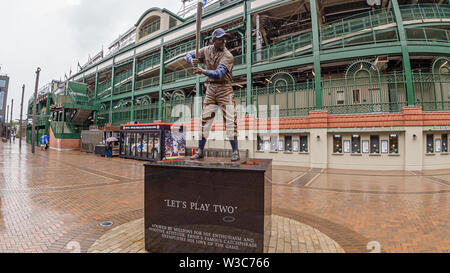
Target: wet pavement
54	202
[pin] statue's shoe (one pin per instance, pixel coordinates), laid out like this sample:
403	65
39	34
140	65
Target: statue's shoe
235	156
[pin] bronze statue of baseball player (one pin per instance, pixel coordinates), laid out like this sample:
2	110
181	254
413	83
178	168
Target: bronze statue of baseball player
219	64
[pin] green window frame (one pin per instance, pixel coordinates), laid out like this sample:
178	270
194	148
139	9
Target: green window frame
151	26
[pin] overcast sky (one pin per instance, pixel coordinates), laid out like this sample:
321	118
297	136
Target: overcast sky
56	34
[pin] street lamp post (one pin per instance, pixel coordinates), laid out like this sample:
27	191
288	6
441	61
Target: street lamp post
7	126
11	120
20	120
33	136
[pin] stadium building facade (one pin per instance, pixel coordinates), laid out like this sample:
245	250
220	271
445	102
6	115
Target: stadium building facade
357	84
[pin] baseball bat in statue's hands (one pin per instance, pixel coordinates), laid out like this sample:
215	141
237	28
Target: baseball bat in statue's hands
195	61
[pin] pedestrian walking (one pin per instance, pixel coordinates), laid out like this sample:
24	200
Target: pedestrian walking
44	142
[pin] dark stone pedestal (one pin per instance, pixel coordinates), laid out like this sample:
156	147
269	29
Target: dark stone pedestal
210	206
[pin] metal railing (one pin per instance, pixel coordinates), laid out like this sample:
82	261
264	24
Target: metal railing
123	89
366	94
180	49
291	47
178	75
356	23
432	91
123	76
146	113
147	83
121	115
425	11
152	60
385	93
104	90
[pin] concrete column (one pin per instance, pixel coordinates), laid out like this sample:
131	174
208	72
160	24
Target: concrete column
318	142
414	152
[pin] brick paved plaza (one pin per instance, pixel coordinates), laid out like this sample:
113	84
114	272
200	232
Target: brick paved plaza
54	202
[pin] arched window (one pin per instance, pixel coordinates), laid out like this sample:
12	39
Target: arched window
153	24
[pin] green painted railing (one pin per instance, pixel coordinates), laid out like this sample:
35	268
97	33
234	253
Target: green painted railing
40	119
102	117
372	37
425	11
180	49
285	48
121	115
147	83
432	91
78	98
123	76
178	75
150	61
385	93
178	110
292	100
104	90
63	130
238	60
356	23
365	94
146	113
123	89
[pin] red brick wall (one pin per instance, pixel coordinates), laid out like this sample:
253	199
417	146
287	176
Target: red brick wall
63	144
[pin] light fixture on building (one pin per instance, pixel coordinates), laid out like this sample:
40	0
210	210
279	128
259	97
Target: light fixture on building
318	138
414	136
278	90
240	86
314	74
269	81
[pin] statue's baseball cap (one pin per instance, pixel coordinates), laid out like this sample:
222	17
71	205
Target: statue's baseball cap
219	33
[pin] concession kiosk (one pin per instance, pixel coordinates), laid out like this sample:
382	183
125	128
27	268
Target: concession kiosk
152	142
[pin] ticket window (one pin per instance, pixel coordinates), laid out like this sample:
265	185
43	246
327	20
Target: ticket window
337	144
393	144
430	143
374	144
260	144
303	144
288	143
356	144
